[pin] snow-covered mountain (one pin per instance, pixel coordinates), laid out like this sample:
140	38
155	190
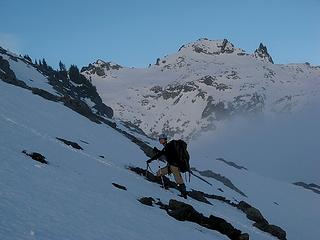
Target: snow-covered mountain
191	91
90	189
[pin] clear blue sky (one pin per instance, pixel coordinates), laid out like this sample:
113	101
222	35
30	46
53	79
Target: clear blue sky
134	33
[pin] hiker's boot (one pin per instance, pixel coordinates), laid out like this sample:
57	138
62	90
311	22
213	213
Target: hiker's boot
182	189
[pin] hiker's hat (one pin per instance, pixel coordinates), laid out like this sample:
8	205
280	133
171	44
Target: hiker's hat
163	136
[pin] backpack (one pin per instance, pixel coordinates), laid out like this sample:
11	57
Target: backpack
183	155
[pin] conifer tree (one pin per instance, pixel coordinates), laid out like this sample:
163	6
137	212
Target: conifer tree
62	67
74	73
44	63
27	57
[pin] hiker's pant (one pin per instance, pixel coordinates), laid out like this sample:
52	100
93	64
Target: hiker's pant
174	170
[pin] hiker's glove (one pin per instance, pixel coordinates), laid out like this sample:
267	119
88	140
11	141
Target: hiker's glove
156	150
149	161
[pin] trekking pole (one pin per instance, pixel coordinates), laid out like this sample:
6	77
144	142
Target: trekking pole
161	174
185	176
201	178
147	170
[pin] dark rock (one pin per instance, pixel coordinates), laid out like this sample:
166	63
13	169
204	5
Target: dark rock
255	104
243	206
8	76
197	195
227	182
272	229
198	49
277	232
312	186
173	90
100	71
223	227
119	186
262	52
251	212
156	89
69	143
5	67
232	164
255	215
147	201
224	47
260	222
216	197
219	109
183	212
244	236
208	80
100	67
45	94
36	156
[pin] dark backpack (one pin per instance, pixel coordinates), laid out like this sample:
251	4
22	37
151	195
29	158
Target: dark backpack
183	155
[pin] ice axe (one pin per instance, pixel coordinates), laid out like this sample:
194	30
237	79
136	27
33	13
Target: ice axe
200	178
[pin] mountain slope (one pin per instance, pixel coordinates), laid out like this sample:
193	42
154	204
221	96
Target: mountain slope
73	196
205	82
68	87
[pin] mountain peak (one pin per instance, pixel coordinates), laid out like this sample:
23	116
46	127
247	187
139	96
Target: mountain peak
100	67
262	53
211	47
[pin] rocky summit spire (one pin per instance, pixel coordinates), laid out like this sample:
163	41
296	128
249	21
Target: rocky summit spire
211	47
262	52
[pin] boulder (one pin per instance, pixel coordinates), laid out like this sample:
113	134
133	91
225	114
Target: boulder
184	212
36	156
119	186
146	201
223	227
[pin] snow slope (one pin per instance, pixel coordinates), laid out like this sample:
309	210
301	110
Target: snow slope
29	74
73	197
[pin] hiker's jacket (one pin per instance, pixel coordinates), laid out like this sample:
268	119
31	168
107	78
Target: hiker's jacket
170	152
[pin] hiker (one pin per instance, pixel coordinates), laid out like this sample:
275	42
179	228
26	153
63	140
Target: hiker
170	154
